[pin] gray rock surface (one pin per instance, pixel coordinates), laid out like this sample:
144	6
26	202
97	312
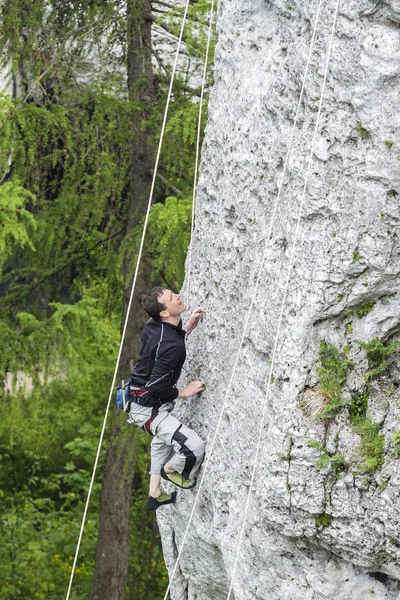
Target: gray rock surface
346	258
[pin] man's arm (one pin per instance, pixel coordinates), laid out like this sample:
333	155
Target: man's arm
194	319
192	388
168	358
159	384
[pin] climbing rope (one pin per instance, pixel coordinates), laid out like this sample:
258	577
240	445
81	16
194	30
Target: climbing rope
130	299
196	165
245	328
284	301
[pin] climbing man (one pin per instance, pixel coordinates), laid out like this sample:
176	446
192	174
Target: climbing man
176	451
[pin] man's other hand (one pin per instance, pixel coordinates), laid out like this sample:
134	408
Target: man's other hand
192	388
193	321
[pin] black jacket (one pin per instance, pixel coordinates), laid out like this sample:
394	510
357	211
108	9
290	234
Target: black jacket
160	362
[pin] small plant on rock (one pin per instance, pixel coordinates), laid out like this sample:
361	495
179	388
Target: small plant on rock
332	374
358	406
362	132
323	520
378	356
328	459
396	444
372	446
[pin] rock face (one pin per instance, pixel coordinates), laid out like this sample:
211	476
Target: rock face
332	532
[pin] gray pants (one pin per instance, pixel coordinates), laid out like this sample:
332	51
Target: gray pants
173	442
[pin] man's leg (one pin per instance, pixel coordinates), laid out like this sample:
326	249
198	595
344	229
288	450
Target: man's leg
160	454
188	448
154	489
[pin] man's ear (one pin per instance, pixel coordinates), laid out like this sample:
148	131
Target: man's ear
164	314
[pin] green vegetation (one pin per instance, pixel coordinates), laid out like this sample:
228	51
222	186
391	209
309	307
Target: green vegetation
396	444
382	487
356	256
362	132
388	143
358	406
67	234
331	374
364	310
335	462
323	520
378	356
288	454
372	444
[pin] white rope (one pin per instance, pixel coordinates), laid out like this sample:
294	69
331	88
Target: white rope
267	239
284	301
196	166
130	299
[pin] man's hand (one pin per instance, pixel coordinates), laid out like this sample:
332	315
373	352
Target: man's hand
192	388
193	321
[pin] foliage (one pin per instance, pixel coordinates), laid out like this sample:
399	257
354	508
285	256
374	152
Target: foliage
362	132
364	310
168	239
361	312
358	406
328	459
288	454
323	520
396	444
372	446
378	356
41	512
65	170
16	223
60	339
356	256
331	374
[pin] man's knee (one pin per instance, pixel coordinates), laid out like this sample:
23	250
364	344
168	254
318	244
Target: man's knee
199	448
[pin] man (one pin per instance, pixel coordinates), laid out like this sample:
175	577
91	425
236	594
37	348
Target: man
176	451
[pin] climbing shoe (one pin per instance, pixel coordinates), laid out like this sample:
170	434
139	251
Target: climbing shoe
154	503
178	479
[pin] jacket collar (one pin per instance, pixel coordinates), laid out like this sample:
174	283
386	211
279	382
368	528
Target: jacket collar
177	328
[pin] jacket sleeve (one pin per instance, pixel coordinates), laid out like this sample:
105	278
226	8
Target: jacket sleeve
167	360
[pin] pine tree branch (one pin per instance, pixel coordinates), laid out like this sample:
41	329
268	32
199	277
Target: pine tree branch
161	3
24	294
163	25
169	185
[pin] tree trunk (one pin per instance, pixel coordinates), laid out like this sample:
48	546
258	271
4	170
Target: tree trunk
112	553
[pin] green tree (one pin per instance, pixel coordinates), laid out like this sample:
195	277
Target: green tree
76	151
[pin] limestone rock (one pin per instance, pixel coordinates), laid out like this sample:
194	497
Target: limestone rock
308	535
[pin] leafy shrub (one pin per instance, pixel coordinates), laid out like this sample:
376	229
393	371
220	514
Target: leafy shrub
336	462
323	520
372	446
358	406
378	356
331	374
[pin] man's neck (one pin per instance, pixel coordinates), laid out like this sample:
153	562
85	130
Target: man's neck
172	320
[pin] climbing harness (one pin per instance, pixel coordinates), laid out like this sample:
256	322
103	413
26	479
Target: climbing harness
130	300
245	329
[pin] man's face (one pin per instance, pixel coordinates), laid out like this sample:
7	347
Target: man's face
173	304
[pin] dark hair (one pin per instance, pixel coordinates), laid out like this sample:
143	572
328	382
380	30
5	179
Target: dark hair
151	304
